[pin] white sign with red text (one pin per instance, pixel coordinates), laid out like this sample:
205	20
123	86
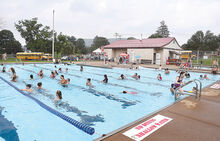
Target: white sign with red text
146	128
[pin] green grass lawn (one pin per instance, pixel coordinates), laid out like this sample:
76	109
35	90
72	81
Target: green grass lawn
206	62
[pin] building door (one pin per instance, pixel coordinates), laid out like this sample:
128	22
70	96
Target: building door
154	59
158	58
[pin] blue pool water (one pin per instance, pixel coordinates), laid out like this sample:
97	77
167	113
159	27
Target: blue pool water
104	107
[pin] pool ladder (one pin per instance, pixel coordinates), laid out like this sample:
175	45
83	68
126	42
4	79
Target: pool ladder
198	92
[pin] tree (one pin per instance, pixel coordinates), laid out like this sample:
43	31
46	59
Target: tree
37	36
163	30
202	42
98	42
155	35
131	38
80	46
8	44
64	45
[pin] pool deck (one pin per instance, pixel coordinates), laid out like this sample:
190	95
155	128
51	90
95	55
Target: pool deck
193	120
113	64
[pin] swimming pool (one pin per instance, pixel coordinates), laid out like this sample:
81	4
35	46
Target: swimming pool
104	107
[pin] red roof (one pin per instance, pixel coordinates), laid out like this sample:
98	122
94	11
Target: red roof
144	43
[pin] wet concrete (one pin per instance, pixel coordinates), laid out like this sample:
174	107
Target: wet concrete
193	120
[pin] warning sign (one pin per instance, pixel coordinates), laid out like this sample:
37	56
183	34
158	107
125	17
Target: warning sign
146	128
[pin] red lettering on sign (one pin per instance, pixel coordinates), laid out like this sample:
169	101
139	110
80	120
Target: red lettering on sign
148	122
139	127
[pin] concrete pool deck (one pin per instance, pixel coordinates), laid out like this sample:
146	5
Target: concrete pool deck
193	120
113	64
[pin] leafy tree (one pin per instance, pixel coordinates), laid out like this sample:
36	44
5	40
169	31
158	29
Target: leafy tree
202	42
72	39
8	44
162	31
37	36
99	42
131	38
155	35
80	46
63	45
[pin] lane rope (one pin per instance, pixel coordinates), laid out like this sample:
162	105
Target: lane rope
89	130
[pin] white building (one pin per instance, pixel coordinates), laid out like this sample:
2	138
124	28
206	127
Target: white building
151	51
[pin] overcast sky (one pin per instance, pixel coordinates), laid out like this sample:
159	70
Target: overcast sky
88	18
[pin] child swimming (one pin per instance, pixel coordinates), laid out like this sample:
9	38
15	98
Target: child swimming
105	79
28	88
58	97
159	77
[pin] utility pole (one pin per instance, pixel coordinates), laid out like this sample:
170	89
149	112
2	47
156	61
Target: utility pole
53	37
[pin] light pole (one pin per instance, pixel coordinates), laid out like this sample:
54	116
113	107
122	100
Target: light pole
53	37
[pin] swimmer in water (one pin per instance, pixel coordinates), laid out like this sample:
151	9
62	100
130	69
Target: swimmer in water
81	68
88	83
62	81
206	77
14	79
13	72
105	79
60	70
28	88
122	77
126	92
3	69
67	81
135	76
56	72
41	74
66	70
58	97
201	77
159	77
167	71
31	77
52	75
39	85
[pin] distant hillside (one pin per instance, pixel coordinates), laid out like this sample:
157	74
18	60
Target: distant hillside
88	42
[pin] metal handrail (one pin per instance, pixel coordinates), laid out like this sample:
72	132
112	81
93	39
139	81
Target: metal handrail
196	94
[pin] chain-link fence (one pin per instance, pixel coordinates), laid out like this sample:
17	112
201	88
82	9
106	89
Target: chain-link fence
205	58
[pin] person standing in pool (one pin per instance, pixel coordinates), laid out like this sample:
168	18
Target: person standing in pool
81	68
105	79
39	85
135	76
167	71
62	81
31	77
58	97
28	88
41	74
88	83
14	79
159	77
3	69
122	77
60	70
52	75
13	72
66	70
